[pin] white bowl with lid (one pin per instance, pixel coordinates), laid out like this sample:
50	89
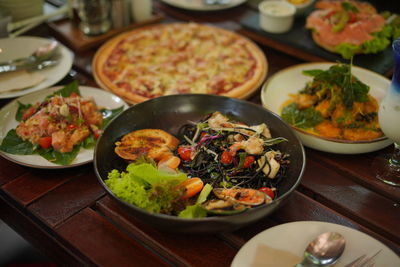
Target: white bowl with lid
276	16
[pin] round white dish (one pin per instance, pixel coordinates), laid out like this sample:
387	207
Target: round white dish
7	122
292	238
200	5
13	48
288	81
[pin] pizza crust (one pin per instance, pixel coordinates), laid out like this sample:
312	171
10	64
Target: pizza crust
242	91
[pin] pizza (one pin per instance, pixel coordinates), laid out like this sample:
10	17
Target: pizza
179	58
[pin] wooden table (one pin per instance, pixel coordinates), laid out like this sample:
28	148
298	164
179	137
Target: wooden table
68	216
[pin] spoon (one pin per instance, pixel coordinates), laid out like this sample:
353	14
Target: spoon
324	250
41	54
45	51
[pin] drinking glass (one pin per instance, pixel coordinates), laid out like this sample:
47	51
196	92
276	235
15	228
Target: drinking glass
387	167
94	15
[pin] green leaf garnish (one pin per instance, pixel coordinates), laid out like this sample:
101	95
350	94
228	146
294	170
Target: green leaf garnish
67	90
89	142
57	157
349	7
21	110
305	118
14	144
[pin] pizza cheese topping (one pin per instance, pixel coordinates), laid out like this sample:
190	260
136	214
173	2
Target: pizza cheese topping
180	58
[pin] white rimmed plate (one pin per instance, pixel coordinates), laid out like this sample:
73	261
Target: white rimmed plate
291	239
288	81
103	99
13	48
200	5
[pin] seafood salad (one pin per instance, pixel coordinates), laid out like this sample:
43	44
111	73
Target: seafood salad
218	167
57	127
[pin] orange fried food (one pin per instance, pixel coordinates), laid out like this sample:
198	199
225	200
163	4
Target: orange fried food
360	134
324	108
328	129
151	143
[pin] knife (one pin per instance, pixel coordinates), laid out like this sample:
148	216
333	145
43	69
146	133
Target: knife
29	66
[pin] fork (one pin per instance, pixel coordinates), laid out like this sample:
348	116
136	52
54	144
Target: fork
363	261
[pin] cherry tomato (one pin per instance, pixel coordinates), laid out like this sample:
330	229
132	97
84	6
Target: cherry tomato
97	133
45	142
71	126
226	157
248	161
185	152
353	17
330	14
191	187
268	191
28	113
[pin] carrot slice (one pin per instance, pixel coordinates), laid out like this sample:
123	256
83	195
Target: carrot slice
191	187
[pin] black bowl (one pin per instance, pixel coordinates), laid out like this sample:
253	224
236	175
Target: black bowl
170	113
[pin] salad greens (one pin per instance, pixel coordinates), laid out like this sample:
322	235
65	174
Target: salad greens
380	42
143	185
196	211
14	144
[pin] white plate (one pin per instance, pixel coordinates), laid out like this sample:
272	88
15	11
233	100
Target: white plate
201	6
292	238
13	48
277	89
102	98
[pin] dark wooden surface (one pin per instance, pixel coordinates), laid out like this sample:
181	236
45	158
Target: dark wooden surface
68	216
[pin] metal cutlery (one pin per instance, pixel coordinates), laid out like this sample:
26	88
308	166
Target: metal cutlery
44	56
216	2
324	250
363	261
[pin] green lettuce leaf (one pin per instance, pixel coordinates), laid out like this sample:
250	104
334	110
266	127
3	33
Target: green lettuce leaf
14	144
380	42
196	211
57	157
146	187
89	142
193	211
149	173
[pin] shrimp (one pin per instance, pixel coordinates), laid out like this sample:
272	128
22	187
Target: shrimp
253	145
304	101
